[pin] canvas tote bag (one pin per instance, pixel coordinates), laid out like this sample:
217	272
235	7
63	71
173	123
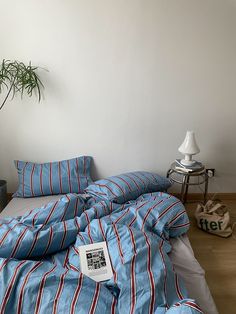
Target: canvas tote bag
213	217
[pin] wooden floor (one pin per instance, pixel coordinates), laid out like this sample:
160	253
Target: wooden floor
218	257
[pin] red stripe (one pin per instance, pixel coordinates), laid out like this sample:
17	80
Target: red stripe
95	299
136	176
79	234
6	233
50	213
164	212
75	250
31	180
33	243
113	305
132	240
41	287
59	291
119	243
100	193
76	294
77	171
4	264
50	177
180	296
107	187
154	178
176	217
119	187
34	218
96	212
180	226
74	268
8	222
165	273
59	174
133	220
23	179
28	214
41	179
65	209
132	282
88	226
101	228
21	294
168	208
133	287
113	270
77	224
135	183
193	305
64	235
84	166
148	213
10	287
151	278
129	187
49	241
149	179
122	216
85	174
111	207
103	207
66	258
69	181
76	207
19	242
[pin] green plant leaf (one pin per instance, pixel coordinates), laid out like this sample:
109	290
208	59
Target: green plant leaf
18	77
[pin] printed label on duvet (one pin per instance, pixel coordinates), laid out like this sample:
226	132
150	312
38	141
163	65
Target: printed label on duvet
95	261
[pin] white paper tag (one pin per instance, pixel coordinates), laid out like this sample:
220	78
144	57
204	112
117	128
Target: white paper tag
95	262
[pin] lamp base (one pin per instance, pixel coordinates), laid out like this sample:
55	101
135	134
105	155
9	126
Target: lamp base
187	163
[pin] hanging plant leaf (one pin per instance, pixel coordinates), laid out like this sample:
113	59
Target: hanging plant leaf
16	77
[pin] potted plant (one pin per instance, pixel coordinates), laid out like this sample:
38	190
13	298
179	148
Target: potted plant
17	77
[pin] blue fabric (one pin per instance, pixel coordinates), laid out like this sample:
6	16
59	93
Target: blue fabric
40	263
128	186
60	177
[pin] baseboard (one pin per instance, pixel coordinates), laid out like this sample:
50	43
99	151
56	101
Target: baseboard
199	196
191	196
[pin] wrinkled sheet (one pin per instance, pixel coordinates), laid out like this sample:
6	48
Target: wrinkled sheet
40	264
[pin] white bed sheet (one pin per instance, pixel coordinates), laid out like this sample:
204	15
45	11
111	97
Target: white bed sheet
182	256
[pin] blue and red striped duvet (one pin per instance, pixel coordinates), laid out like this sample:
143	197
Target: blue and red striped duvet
40	264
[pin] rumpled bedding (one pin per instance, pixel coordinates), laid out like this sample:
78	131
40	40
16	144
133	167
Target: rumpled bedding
40	262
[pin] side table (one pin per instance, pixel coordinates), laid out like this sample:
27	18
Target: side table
3	194
186	179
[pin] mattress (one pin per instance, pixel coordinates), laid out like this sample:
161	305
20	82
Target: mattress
182	255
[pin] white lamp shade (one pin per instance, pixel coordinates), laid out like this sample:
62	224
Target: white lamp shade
189	145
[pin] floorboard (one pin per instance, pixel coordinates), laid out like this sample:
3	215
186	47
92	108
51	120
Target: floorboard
218	257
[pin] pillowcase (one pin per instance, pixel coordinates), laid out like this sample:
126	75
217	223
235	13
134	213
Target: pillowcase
59	177
128	186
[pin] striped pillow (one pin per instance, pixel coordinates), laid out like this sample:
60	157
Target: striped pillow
60	177
128	186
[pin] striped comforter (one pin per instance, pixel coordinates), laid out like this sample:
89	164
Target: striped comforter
40	264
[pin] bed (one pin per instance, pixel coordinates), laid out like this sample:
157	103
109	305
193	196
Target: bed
181	256
58	209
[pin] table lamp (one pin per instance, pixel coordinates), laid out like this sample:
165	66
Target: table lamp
189	148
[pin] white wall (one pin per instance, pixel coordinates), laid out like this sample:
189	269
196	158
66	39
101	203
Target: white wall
126	79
